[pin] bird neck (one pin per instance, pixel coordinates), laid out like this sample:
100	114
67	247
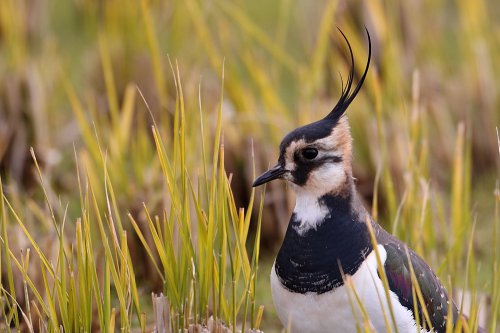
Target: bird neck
309	258
313	207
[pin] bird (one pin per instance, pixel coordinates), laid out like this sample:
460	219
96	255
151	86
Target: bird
327	253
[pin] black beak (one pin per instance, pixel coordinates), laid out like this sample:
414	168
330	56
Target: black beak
271	174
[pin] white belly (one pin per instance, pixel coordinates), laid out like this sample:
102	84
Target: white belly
333	311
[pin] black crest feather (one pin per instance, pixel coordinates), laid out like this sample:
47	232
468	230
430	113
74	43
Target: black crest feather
348	95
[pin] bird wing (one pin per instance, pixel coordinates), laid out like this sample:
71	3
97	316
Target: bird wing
435	298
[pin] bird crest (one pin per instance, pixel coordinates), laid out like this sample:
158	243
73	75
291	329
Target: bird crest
348	94
317	157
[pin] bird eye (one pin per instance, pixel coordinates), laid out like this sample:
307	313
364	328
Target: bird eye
310	153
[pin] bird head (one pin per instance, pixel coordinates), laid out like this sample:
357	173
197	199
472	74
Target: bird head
317	158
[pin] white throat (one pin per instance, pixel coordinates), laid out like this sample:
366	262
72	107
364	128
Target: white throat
309	211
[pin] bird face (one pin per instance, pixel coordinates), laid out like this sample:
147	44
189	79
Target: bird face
314	159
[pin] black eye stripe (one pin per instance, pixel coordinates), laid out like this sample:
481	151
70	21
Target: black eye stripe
329	158
333	159
304	169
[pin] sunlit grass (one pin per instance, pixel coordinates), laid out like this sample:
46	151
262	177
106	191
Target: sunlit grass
202	260
144	151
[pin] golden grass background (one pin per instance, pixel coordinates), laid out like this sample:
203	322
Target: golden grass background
83	82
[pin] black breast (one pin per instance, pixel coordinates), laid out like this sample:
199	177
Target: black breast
311	262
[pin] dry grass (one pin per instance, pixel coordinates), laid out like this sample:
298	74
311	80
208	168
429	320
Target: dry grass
125	107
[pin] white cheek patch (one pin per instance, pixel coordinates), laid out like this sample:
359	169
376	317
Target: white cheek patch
328	177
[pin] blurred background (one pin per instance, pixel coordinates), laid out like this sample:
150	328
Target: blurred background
426	155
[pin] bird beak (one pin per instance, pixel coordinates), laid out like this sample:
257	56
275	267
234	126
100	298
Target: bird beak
275	172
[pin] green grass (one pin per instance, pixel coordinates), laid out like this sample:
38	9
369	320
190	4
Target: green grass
148	119
197	246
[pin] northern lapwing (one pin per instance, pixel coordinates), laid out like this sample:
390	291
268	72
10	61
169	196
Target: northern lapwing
328	239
